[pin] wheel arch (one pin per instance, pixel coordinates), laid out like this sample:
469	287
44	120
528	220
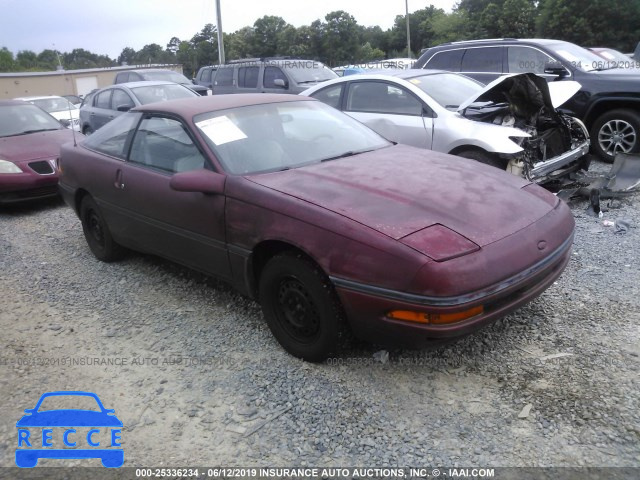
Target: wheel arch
263	252
604	105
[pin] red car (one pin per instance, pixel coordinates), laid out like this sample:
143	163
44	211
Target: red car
323	221
30	141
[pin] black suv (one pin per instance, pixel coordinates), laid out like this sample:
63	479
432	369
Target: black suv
161	75
608	102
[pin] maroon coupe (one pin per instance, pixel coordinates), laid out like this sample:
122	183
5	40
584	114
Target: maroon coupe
323	221
30	141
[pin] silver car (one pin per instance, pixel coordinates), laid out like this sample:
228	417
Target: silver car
512	123
104	105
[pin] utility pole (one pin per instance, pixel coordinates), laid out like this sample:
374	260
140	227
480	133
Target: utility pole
406	3
220	38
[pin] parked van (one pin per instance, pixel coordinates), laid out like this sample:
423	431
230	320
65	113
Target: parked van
270	75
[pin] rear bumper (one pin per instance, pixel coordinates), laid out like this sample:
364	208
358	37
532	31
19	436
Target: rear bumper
367	306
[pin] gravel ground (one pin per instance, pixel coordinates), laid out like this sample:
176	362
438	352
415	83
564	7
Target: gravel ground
197	378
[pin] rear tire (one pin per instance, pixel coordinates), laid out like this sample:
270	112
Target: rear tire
617	131
300	306
96	232
484	157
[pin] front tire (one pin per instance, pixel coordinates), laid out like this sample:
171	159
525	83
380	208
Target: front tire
615	132
301	308
484	157
97	233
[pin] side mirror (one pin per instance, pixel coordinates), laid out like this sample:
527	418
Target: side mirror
198	181
278	82
29	410
555	68
65	122
124	108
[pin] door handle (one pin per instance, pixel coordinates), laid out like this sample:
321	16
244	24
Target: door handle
119	184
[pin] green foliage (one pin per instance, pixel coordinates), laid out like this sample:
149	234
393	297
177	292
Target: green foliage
602	23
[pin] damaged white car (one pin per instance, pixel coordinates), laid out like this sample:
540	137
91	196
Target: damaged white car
513	123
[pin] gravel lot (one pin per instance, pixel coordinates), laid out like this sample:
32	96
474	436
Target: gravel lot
197	378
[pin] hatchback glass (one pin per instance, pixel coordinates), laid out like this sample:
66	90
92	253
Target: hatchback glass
309	72
166	76
280	136
54	104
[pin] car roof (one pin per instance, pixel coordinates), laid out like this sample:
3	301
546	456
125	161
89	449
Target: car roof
4	103
143	83
143	70
538	41
188	107
37	97
395	73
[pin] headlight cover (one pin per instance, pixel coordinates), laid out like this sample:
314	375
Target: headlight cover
9	167
440	243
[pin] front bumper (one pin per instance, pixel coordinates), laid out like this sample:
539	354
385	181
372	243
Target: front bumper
367	307
542	169
19	187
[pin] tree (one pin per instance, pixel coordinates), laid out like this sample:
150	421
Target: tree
173	45
342	38
611	23
27	60
369	54
128	56
266	31
238	44
7	63
48	60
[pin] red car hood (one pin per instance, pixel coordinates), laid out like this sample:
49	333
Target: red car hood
34	146
400	190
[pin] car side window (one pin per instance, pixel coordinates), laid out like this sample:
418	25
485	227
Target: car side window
449	61
330	95
527	59
120	98
484	59
380	97
271	74
163	144
248	77
103	100
224	77
112	139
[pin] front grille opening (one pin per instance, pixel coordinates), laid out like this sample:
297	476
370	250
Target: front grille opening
43	167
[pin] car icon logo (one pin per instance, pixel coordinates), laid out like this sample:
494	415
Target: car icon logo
69	433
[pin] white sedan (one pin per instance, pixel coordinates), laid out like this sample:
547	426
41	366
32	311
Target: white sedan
59	108
512	123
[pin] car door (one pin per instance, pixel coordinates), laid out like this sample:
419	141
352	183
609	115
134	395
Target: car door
391	110
101	113
482	63
186	227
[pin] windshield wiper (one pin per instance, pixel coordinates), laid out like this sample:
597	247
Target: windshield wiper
36	130
350	153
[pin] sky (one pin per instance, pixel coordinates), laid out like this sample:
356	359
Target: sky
107	26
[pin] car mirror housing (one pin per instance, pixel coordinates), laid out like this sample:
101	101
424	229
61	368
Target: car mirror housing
278	82
124	108
555	68
29	410
65	122
199	181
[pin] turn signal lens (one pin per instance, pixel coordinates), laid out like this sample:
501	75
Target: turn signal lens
435	318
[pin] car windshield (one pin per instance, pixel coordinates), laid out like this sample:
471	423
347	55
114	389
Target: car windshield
280	136
161	93
578	57
55	104
24	119
69	402
448	89
167	76
308	71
